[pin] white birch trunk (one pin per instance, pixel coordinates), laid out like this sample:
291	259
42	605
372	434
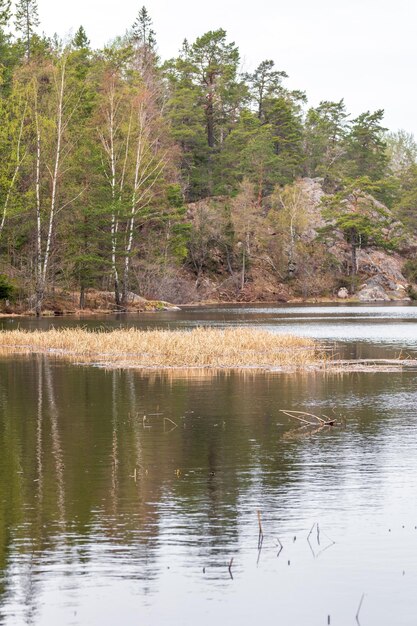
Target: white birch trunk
60	110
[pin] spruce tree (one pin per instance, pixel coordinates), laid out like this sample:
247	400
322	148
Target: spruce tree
142	31
27	20
80	40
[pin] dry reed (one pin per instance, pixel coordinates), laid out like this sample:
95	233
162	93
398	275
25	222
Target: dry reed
198	348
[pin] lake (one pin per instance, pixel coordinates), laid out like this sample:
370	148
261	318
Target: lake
135	497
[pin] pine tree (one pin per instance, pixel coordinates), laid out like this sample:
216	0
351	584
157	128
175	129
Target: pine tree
366	147
264	83
27	20
326	128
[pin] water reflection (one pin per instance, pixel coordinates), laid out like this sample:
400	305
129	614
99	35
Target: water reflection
107	513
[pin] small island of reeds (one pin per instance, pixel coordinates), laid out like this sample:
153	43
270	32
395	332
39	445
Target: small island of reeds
199	348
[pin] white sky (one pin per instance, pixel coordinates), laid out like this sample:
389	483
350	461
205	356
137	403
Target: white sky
362	50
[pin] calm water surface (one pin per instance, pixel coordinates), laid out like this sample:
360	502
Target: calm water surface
124	496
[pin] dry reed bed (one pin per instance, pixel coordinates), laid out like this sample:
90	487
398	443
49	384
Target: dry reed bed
202	347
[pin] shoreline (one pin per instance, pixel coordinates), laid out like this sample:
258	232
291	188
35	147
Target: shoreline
152	308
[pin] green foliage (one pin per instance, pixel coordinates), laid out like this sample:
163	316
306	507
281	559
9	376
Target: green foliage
406	205
27	21
326	130
80	40
7	289
265	83
5	12
366	147
361	220
410	270
357	215
142	31
175	226
411	292
401	152
139	140
209	68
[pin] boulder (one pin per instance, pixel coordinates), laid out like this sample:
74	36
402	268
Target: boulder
343	293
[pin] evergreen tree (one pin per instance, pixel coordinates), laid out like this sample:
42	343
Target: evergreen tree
284	115
26	21
142	31
80	40
210	65
248	152
366	147
264	83
325	133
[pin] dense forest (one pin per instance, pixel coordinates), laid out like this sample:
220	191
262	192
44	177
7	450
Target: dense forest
185	179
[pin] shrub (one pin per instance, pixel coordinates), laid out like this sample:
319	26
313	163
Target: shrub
410	270
7	289
412	293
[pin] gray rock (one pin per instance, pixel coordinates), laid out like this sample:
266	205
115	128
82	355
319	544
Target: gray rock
133	298
371	292
343	293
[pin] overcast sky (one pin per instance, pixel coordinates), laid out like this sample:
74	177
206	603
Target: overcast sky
362	50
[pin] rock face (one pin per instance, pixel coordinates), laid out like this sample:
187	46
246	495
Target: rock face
372	292
379	270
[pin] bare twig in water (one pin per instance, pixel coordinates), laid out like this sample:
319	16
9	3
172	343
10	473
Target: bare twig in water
261	532
280	546
300	419
318	539
359	608
297	415
230	568
167	419
260	523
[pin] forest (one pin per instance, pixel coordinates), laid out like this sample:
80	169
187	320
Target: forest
126	176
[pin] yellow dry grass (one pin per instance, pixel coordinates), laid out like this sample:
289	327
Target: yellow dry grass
199	348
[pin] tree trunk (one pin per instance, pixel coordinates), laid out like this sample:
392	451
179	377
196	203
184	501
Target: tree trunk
243	268
354	266
40	286
82	297
210	118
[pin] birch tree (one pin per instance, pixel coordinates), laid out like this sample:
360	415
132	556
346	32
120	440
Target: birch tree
131	132
114	130
53	101
13	152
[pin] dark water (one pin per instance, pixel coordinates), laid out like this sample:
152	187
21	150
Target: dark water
107	517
